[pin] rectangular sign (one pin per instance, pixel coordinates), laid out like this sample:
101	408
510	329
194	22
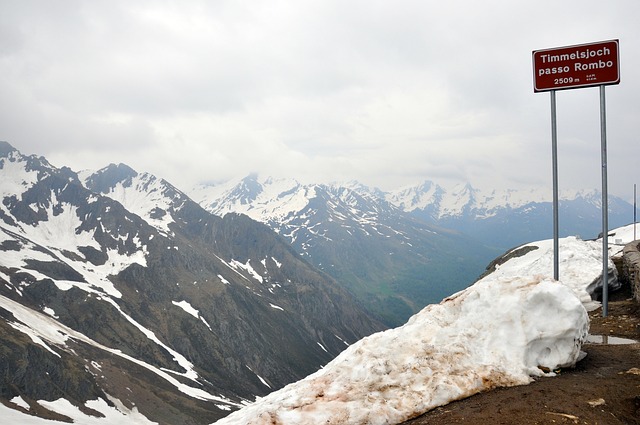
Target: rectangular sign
571	67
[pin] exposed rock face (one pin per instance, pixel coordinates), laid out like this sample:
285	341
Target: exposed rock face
631	267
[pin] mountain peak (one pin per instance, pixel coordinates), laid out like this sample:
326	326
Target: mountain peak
426	185
119	169
6	149
107	177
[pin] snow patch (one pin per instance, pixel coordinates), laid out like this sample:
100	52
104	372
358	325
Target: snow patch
277	307
50	312
206	323
248	268
19	401
187	308
146	197
119	414
260	378
15	177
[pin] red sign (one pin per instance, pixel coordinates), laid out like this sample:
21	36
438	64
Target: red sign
572	67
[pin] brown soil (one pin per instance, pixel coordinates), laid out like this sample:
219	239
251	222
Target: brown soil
603	388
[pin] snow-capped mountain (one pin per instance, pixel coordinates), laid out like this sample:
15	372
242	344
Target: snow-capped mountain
394	263
121	296
151	198
460	199
507	218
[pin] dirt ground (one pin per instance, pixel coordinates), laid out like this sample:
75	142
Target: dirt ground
603	388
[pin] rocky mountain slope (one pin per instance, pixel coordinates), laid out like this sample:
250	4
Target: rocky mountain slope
394	263
118	287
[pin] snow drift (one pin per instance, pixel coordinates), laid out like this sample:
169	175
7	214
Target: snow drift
502	331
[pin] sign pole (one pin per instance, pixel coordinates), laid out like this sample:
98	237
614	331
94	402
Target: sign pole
571	67
634	212
554	159
605	206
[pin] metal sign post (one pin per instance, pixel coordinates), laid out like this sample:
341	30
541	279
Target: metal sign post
605	206
554	166
570	67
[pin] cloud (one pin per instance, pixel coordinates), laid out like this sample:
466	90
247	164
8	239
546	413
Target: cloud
387	93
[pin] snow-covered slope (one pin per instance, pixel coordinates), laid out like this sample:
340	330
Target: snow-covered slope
153	199
269	201
513	324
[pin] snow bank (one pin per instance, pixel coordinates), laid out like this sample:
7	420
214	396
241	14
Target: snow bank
622	236
499	332
580	265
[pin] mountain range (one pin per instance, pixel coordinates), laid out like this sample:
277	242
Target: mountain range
398	251
508	218
121	293
116	286
392	261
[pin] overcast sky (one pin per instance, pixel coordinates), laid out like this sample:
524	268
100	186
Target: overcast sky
386	92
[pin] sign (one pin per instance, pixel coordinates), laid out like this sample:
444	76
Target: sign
570	67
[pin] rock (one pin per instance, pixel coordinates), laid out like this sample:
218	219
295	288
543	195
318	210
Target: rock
596	402
634	371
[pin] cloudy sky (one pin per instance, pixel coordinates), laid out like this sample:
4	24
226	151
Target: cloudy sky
386	92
